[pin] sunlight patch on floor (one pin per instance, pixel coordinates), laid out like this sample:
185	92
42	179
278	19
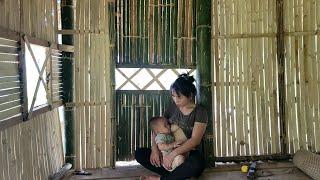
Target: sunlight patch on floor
127	163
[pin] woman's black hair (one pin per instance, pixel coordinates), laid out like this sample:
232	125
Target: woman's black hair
184	85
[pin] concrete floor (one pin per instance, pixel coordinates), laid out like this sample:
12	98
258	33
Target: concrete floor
266	171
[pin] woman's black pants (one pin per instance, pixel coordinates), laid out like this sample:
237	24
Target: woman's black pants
192	167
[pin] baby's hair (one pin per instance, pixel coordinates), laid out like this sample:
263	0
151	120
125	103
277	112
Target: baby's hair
154	121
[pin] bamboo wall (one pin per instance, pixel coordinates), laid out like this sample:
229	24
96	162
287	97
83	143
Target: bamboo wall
155	32
32	149
94	85
246	91
134	109
302	57
245	85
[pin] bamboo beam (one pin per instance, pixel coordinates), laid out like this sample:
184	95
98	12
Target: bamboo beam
203	8
67	77
281	75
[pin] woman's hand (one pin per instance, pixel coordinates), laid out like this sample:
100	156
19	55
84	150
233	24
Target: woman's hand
167	160
155	157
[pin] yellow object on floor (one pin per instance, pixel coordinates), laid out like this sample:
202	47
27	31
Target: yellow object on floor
244	168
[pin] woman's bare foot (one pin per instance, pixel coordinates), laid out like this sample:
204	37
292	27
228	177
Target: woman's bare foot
151	177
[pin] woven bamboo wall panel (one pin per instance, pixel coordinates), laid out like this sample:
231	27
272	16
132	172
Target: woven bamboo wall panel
134	109
94	86
36	18
32	150
246	93
156	32
302	53
9	19
245	104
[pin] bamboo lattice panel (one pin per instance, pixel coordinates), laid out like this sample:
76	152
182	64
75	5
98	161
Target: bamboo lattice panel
94	86
32	150
134	109
302	57
245	104
155	32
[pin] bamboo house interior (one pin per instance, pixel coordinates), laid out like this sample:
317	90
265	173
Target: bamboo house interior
79	80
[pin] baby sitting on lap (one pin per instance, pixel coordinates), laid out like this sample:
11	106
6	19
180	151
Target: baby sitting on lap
165	140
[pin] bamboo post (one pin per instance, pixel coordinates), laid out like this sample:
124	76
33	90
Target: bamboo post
204	71
67	76
281	75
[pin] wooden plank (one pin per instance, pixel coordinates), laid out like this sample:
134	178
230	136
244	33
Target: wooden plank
37	41
65	48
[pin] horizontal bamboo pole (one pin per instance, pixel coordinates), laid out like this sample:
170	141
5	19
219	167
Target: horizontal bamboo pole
9	97
8	57
10	112
8	85
9	79
8	49
261	35
8	42
9	69
9	105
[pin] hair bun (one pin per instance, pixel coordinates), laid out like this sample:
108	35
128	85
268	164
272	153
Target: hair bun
187	77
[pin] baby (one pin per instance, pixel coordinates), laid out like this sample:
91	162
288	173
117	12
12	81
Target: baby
165	140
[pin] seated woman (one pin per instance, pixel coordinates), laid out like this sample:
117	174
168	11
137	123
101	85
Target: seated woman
192	119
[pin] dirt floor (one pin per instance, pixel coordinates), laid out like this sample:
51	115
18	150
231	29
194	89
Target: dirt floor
265	171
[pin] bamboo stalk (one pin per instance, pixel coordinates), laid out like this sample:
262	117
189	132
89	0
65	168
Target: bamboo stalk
215	66
221	75
103	41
